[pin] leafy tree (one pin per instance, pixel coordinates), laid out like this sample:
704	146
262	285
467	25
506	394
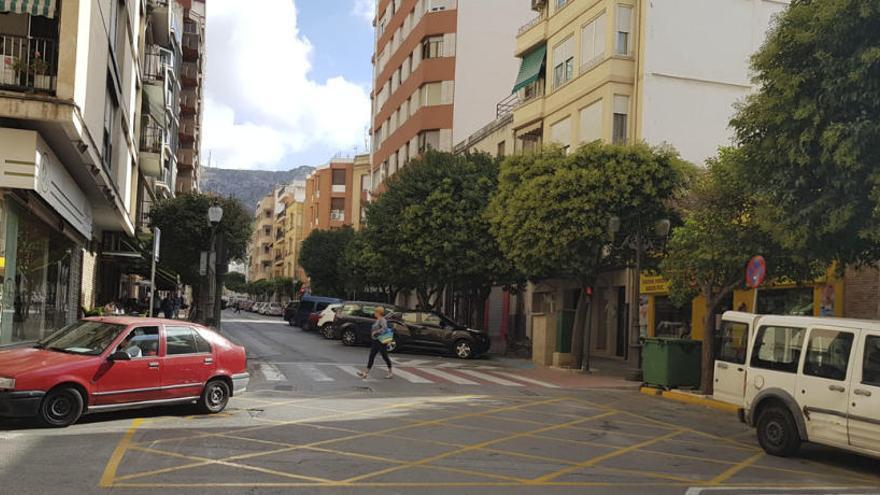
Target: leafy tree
707	255
552	211
320	257
811	134
235	282
431	227
366	269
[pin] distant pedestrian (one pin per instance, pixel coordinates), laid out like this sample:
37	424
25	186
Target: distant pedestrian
176	303
377	347
237	306
167	307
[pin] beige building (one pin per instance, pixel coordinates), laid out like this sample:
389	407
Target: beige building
261	251
361	187
439	68
192	77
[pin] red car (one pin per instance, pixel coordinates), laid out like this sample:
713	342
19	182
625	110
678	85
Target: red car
104	364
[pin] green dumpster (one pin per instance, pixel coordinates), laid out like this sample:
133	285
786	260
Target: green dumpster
671	363
564	326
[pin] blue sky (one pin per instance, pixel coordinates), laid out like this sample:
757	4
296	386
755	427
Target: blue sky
289	88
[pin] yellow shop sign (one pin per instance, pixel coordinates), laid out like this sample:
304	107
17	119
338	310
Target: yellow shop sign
654	284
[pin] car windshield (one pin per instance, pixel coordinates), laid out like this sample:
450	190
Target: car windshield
83	337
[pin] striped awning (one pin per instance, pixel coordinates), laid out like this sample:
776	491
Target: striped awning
45	8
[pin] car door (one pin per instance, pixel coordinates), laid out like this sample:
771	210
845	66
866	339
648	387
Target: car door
434	332
137	380
302	313
775	358
864	404
364	318
188	362
823	384
730	359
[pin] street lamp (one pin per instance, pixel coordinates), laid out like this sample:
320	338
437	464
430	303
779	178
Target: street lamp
215	214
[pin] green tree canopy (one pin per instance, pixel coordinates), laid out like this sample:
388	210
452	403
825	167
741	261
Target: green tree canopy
552	211
235	282
320	256
811	134
186	231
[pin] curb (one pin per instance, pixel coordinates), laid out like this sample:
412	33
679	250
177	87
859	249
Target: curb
691	399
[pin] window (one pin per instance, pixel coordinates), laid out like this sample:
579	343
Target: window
732	342
365	182
410	317
778	348
591	123
180	340
621	114
828	354
337	209
435	5
432	93
624	29
871	364
792	301
560	132
338	177
431	319
561	3
432	47
202	343
141	342
593	41
429	139
111	107
563	62
501	147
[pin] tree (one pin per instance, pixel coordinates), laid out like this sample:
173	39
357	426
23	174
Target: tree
320	257
810	135
234	281
431	226
552	211
186	233
707	255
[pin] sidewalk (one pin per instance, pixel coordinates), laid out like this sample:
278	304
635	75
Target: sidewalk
605	373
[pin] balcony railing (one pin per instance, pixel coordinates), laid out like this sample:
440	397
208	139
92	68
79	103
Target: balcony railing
28	64
529	25
507	105
337	216
156	61
151	135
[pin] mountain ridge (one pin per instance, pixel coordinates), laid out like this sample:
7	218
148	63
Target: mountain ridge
249	186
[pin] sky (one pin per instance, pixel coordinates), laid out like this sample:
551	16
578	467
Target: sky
287	83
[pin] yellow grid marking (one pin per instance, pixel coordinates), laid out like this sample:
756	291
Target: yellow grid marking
733	470
118	453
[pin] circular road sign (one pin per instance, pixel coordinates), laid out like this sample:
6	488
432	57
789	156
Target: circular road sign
756	270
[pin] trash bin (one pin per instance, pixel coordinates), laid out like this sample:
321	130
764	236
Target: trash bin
671	363
564	327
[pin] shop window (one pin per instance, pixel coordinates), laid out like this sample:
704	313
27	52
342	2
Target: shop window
794	301
671	320
778	348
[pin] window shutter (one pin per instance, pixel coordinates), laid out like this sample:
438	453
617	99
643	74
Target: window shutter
591	123
624	18
621	104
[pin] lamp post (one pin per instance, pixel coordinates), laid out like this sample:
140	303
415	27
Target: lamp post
634	347
215	214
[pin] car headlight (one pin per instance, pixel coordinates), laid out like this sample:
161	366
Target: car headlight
7	383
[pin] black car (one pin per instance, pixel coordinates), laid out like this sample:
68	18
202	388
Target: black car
426	331
353	319
297	313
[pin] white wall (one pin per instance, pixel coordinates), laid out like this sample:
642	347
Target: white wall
485	67
696	68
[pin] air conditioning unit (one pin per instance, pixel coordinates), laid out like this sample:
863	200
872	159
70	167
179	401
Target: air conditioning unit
538	5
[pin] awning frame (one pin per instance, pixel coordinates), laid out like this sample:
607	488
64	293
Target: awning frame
43	8
531	69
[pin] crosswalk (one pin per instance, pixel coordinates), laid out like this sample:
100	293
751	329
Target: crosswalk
419	374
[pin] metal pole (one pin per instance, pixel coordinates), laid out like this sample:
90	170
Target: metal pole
152	287
634	346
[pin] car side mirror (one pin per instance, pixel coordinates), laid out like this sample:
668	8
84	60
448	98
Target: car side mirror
119	356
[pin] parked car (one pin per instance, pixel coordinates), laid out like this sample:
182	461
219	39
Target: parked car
353	314
103	364
259	308
274	309
326	318
802	379
298	312
423	330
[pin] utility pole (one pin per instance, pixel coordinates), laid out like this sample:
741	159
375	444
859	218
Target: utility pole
157	233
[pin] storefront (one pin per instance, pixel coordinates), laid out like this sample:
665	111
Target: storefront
44	223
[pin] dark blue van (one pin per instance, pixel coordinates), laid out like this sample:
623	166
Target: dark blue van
297	312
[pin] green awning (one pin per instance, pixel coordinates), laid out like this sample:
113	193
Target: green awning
532	67
45	8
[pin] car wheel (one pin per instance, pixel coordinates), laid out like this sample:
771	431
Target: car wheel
349	337
328	332
214	397
391	346
61	407
777	432
463	349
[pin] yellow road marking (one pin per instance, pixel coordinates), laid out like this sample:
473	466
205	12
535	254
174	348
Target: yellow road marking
464	484
733	470
118	453
647	474
605	457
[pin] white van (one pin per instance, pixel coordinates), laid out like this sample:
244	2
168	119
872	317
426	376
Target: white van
802	379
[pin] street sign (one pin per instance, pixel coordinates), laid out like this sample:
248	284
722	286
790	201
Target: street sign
756	271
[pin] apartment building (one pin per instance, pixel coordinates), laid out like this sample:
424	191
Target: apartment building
362	181
329	197
440	66
69	165
261	250
293	204
192	74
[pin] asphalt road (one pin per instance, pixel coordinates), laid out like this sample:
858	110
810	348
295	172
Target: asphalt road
441	426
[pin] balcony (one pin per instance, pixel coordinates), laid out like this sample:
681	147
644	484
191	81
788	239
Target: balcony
28	64
189	103
188	132
337	215
152	145
190	75
337	188
192	46
186	158
165	184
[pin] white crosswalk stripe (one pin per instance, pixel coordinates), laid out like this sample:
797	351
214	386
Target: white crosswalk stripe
410	377
315	374
271	373
351	370
490	378
448	376
527	380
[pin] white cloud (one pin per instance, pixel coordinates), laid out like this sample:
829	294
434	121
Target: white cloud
365	9
261	104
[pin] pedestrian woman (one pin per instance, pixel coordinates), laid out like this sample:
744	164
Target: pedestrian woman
377	347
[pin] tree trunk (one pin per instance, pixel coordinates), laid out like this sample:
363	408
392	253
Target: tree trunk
707	369
577	334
